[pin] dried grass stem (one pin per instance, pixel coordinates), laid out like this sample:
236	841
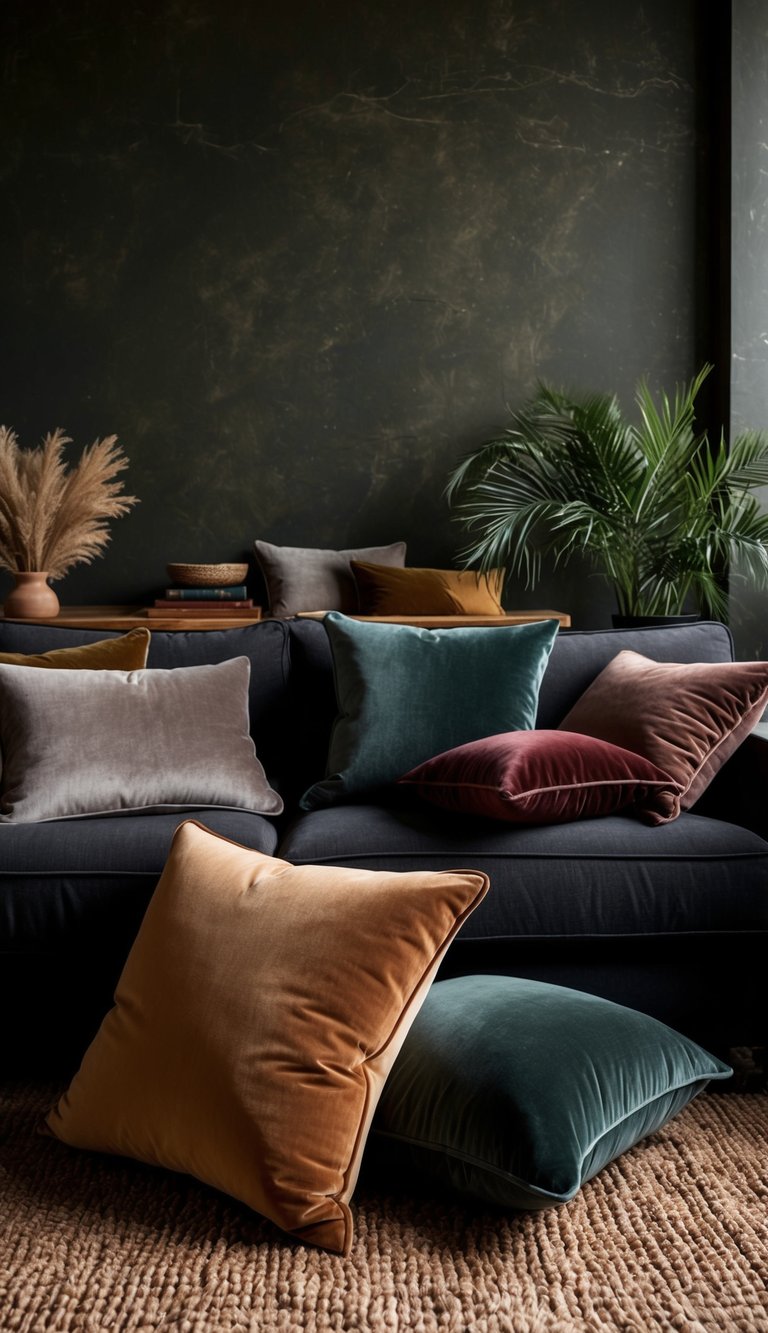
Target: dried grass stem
52	517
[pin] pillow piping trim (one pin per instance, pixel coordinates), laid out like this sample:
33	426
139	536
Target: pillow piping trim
539	791
138	810
510	1177
368	1111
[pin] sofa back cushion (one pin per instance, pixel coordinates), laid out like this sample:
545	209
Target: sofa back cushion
577	657
407	693
292	699
121	652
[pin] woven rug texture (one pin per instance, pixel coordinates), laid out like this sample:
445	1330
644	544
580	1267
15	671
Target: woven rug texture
674	1235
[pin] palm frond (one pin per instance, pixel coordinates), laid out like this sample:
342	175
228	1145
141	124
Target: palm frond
649	503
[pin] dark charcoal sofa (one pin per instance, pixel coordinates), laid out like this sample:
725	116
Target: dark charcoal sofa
671	920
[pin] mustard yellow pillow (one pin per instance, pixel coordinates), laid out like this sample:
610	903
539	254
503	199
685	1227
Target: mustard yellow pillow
128	652
389	591
257	1017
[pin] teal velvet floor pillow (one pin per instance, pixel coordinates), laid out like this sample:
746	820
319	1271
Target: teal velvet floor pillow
517	1092
405	694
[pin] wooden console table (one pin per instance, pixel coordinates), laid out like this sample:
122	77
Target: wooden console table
132	617
451	622
129	617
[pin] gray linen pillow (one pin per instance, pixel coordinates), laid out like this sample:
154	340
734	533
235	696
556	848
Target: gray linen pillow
84	742
303	578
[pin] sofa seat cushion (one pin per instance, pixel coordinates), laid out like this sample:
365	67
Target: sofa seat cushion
672	921
598	877
68	884
72	897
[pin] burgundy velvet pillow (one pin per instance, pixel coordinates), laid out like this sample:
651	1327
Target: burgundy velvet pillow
686	717
543	777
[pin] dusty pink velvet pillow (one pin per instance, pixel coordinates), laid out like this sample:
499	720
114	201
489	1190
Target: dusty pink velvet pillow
687	718
543	777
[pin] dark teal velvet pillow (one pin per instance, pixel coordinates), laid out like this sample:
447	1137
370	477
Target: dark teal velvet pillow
517	1092
405	694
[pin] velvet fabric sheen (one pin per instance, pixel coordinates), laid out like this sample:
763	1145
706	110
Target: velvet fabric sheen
103	742
688	718
126	653
300	578
517	1092
405	694
577	657
257	1017
424	592
265	644
540	777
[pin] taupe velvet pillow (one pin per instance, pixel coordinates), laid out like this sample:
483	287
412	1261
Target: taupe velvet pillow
300	578
687	718
107	742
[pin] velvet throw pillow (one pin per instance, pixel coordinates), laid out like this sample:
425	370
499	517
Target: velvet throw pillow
517	1092
80	743
427	592
404	694
541	777
303	578
255	1022
126	652
687	718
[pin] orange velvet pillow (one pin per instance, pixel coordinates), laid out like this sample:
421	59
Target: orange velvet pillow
388	591
687	718
257	1017
127	652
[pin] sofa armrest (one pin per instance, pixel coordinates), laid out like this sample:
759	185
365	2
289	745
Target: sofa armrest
739	792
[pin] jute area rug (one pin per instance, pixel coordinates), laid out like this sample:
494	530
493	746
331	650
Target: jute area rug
672	1236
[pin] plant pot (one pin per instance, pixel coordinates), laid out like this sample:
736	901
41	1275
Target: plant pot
650	622
31	598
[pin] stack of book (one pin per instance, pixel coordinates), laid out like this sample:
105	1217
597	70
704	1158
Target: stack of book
205	603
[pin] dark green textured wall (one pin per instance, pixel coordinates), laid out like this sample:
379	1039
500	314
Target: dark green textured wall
300	257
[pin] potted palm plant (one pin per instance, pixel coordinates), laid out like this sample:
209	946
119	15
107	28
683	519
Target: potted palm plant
658	511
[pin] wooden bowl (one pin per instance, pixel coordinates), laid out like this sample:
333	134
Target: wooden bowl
207	576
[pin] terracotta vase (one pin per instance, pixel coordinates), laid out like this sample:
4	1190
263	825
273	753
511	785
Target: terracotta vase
31	598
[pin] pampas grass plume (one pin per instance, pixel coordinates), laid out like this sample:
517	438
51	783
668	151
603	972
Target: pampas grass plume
53	517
